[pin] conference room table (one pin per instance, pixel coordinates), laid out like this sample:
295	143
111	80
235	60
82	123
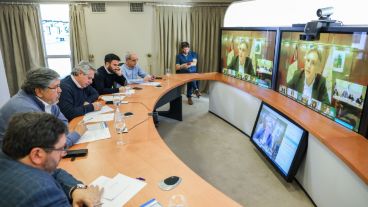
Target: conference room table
146	155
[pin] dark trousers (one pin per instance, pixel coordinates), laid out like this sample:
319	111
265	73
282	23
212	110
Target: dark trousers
191	86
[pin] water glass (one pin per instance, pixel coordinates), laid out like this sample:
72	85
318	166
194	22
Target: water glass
116	99
177	201
168	71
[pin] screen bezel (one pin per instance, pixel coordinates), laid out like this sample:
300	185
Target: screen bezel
277	39
299	153
363	125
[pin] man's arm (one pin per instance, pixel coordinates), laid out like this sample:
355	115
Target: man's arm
92	94
99	84
67	105
66	180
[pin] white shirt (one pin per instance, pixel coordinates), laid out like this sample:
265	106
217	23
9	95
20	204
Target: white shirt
47	106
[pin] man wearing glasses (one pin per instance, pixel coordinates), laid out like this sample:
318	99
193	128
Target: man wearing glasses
132	72
39	92
79	97
33	146
109	76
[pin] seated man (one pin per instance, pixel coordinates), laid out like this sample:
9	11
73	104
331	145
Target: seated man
78	97
186	62
40	92
108	76
33	146
132	72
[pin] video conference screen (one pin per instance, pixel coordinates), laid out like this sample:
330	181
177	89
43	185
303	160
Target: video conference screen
329	75
282	141
248	55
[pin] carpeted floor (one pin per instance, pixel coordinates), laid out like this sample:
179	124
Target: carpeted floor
226	158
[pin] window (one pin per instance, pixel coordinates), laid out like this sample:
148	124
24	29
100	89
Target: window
56	36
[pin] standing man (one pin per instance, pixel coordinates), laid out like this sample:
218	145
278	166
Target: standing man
132	72
40	92
33	146
109	75
78	97
186	62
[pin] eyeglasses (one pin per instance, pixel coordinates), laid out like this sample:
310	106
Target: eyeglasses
62	149
134	60
55	87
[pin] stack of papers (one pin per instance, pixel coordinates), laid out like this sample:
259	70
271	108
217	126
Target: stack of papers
98	118
110	98
118	190
97	131
104	109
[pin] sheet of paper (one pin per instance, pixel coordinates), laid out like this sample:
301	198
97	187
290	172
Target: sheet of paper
150	83
121	188
110	98
104	109
95	135
98	118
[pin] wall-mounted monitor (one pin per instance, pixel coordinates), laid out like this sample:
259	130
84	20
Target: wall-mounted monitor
329	75
281	140
248	54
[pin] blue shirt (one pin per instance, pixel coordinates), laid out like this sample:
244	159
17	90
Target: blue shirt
133	75
181	59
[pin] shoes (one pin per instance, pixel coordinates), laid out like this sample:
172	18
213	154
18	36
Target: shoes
197	93
190	102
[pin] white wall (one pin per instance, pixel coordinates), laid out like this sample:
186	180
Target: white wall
118	30
4	89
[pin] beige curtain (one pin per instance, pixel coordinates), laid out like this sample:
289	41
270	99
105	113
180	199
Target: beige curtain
78	34
172	25
200	26
20	41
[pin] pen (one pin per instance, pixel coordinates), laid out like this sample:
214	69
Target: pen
98	204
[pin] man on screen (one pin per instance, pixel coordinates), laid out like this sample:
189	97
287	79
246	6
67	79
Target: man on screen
308	81
264	133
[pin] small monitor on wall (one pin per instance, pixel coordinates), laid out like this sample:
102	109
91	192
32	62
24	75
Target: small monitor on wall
329	75
248	54
281	141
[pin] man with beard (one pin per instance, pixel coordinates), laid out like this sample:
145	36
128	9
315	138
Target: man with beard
33	146
242	63
40	92
309	81
108	76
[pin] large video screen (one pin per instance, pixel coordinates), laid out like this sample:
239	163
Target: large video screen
329	75
248	54
282	141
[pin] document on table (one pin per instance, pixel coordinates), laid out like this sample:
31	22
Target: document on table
110	98
97	131
150	83
98	118
104	109
118	190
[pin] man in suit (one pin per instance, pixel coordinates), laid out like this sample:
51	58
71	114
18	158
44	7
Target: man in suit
109	75
242	63
33	146
40	92
308	81
78	97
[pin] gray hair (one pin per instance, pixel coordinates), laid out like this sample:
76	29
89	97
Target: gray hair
128	55
38	78
83	66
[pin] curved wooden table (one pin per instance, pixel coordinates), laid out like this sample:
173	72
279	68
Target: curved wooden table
149	157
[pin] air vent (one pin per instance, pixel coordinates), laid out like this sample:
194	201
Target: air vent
136	7
98	7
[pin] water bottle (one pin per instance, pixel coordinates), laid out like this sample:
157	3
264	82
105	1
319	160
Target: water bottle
119	121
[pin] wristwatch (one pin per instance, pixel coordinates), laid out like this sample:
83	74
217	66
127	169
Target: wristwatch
78	186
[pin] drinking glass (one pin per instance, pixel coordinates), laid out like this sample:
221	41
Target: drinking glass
168	71
116	99
177	201
119	127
